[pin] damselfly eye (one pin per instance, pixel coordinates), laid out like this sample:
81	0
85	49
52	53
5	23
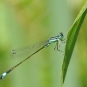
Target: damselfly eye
61	34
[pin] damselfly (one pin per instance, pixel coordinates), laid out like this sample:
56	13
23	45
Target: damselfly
40	46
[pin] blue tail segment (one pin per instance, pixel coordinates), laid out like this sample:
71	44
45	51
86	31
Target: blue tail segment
3	75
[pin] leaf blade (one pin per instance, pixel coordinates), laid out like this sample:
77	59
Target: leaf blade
71	40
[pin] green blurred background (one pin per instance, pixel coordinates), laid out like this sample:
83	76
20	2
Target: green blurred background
24	22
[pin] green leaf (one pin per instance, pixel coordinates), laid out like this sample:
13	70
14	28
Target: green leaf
71	40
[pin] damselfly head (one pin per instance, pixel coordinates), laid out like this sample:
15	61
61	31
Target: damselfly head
61	35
